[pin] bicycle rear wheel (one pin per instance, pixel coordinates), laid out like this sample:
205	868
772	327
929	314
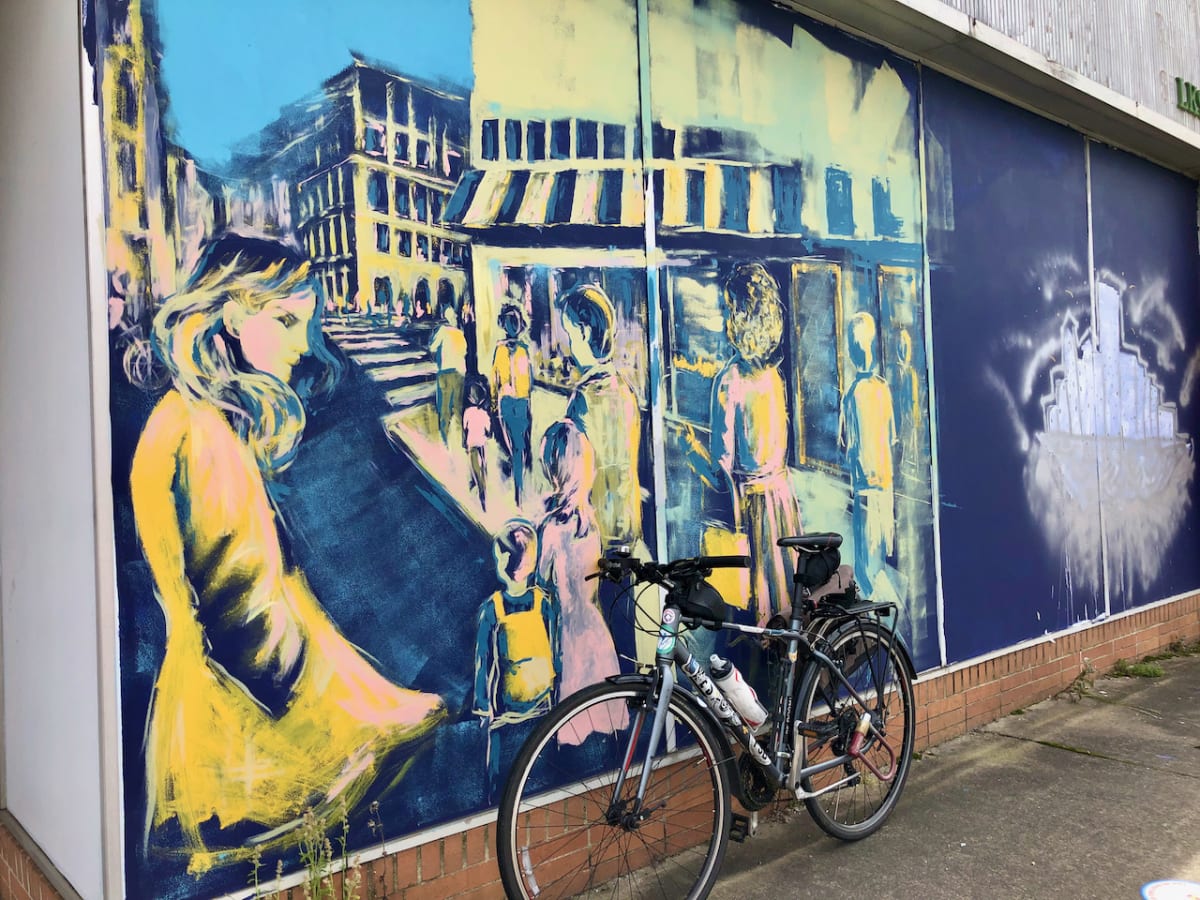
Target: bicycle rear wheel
858	796
565	828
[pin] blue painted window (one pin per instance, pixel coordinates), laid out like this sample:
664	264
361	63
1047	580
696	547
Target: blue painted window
560	139
489	139
512	139
735	210
377	196
587	139
535	139
401	148
695	197
886	222
839	201
403	207
787	187
662	141
614	141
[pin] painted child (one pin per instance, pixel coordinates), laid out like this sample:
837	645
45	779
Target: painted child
477	428
518	664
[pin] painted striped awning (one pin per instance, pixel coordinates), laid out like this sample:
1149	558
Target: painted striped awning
487	197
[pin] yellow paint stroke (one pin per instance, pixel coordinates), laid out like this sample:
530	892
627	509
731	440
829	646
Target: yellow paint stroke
213	751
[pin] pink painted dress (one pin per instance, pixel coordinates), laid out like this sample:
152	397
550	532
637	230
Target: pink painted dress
570	545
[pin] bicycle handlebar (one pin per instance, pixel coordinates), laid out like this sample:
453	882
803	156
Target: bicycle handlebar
614	568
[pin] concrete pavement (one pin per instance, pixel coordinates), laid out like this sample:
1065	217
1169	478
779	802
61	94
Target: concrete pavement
1083	799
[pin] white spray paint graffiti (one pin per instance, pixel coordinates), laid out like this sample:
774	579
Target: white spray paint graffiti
1109	468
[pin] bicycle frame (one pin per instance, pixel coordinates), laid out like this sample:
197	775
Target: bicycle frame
671	651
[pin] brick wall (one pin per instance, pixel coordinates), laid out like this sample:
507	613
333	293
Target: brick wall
952	703
20	878
463	866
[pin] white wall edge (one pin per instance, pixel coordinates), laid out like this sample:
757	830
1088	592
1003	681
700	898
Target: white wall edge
112	820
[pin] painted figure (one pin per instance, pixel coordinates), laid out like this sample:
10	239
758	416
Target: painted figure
477	428
569	539
749	442
517	660
603	407
869	437
449	349
261	709
512	387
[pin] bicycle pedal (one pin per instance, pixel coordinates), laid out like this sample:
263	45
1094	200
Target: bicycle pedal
742	827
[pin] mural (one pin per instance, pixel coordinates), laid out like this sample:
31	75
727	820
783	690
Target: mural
414	313
790	231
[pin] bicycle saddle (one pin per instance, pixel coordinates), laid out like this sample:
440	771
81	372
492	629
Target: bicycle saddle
812	543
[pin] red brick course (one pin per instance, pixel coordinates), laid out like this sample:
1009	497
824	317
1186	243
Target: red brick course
463	866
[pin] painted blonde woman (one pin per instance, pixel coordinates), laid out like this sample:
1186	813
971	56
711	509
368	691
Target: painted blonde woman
262	709
749	420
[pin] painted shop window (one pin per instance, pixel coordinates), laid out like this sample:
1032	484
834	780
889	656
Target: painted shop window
560	139
489	139
535	139
400	151
614	141
377	195
512	139
587	139
819	375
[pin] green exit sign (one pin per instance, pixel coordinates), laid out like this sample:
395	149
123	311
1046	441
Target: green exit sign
1187	96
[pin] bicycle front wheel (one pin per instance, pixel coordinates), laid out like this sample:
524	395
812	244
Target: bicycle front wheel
568	825
854	799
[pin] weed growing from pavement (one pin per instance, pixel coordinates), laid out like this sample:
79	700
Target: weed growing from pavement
1144	669
1149	666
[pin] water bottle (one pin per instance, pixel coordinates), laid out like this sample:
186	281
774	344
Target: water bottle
739	694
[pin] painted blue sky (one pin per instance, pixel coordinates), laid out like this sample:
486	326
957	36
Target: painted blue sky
228	66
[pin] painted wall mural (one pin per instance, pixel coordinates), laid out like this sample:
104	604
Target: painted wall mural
790	278
414	313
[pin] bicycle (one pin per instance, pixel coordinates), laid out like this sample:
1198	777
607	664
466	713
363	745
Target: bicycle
625	787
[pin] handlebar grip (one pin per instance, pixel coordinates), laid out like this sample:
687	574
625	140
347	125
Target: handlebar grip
723	562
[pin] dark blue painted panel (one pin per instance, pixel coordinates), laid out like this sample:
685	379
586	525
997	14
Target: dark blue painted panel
1008	250
1144	228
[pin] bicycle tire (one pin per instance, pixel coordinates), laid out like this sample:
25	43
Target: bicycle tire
554	837
868	654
